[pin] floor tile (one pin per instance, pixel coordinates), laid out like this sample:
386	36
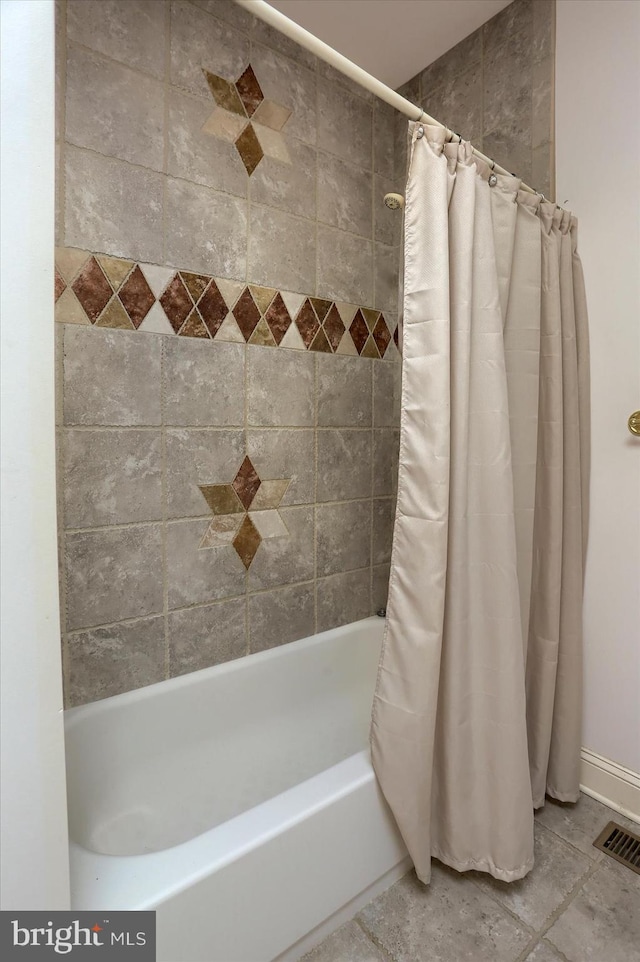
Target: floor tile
602	924
348	942
581	823
534	898
450	920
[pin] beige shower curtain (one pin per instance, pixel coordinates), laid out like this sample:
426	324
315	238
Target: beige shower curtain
477	711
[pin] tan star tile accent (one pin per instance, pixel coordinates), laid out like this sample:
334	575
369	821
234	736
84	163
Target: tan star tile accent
225	94
245	512
244	118
271	115
270	494
247	541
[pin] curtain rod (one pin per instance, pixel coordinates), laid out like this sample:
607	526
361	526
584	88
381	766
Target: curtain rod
263	11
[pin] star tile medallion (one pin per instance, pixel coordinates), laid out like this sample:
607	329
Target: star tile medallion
245	512
245	118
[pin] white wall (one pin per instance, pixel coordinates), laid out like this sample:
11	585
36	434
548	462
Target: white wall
598	177
33	827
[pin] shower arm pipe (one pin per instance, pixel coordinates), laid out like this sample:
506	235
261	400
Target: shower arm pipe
267	13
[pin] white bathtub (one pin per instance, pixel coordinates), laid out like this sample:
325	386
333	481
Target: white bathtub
239	802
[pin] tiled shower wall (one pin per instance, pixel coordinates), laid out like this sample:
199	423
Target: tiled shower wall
217	494
495	88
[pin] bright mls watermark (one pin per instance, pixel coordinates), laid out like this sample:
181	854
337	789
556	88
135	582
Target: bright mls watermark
80	936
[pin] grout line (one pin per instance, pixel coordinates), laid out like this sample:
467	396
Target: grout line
561	908
115	428
316	183
107	58
164	506
374	939
211	603
187	519
61	541
245	391
315	495
482	124
372	443
59	237
61	57
538	933
216	190
165	132
565	841
217	429
156	522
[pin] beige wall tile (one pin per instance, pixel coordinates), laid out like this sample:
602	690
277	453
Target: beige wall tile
282	250
230	12
107	661
291	84
344	464
206	230
344	195
291	189
203	383
345	266
280	388
198	156
345	124
198	575
111	477
111	378
195	457
343	536
201	637
200	41
130	31
342	599
285	453
281	616
344	392
112	575
112	207
114	110
283	561
384	122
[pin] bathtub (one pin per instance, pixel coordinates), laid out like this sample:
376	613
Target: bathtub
239	802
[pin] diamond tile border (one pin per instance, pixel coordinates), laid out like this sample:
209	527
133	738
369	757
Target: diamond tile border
103	291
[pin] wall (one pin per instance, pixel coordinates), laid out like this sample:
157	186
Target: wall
598	143
35	863
241	304
496	89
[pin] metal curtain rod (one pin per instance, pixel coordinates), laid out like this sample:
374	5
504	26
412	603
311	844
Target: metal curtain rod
263	11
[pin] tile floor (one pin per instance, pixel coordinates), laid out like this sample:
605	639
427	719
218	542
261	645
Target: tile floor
577	905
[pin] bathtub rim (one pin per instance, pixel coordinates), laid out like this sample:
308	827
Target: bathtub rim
75	715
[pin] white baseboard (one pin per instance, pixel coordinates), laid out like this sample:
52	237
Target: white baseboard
610	783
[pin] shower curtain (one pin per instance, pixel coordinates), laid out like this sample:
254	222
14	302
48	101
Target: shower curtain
477	710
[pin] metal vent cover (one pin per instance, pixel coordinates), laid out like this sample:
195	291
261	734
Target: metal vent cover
621	844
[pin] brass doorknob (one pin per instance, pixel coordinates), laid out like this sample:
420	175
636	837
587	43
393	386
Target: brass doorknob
634	423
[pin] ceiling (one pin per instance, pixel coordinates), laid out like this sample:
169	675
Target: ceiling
391	39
